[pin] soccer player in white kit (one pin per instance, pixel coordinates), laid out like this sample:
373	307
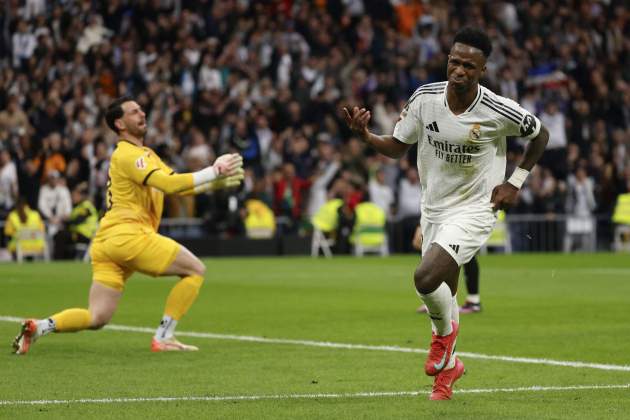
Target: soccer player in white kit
461	128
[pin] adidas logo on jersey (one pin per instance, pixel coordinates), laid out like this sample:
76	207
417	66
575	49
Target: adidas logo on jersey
433	127
455	248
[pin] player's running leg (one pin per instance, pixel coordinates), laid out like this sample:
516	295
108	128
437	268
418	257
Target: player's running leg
436	282
103	303
471	273
184	293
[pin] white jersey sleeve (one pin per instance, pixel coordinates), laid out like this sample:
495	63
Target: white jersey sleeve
409	126
517	121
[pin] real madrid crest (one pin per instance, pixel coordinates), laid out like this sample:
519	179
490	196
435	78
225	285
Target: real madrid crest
475	133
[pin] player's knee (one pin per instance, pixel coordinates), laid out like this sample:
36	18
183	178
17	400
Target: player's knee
424	280
199	268
99	320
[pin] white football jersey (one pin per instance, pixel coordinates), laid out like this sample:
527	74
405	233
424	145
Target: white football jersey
461	158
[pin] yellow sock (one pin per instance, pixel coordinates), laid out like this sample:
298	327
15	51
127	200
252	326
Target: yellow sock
182	296
75	319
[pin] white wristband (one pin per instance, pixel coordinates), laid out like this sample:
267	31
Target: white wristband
205	175
518	177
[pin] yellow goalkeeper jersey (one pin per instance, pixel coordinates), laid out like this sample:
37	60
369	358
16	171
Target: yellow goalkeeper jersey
129	199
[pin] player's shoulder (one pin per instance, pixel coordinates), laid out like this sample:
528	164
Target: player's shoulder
427	92
126	149
502	107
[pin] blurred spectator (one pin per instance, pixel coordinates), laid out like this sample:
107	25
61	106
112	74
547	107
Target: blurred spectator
289	190
79	227
265	79
54	160
326	168
55	202
581	194
13	120
24	219
555	153
380	193
8	183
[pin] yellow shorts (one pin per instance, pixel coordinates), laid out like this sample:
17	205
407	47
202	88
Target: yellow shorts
130	249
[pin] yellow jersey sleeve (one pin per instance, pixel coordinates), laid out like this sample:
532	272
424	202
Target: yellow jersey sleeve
139	164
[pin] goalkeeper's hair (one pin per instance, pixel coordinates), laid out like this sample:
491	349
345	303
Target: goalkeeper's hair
475	38
115	111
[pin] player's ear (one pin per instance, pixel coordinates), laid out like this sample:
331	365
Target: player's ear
119	124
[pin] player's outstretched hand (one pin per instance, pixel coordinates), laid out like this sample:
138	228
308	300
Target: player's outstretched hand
228	164
231	181
357	120
504	196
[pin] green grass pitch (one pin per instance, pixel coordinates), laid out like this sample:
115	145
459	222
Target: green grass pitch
573	308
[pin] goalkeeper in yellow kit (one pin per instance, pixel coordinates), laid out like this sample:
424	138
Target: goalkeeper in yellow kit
127	238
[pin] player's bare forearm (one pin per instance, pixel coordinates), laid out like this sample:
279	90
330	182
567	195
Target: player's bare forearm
535	149
387	145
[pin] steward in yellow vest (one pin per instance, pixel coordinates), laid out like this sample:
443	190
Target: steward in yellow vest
80	226
25	225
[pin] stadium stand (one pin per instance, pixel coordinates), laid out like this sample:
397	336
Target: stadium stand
268	79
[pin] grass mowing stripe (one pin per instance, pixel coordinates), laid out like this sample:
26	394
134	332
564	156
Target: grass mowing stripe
535	388
326	344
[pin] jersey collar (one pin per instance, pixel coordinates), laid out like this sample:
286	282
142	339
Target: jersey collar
472	105
130	142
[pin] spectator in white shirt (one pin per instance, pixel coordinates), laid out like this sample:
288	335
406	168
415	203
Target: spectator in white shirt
408	214
8	183
380	193
327	166
24	43
555	153
581	197
55	203
409	195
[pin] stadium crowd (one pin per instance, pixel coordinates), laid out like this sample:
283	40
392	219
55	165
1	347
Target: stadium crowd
268	79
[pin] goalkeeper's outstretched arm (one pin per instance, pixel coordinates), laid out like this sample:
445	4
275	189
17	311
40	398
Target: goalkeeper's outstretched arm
231	181
225	166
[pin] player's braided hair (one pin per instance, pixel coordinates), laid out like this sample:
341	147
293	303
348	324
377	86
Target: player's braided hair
115	111
475	38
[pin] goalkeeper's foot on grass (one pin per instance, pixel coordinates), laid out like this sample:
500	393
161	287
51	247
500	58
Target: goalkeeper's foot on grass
170	344
26	337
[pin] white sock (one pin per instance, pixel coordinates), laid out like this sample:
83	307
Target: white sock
473	298
166	328
45	326
439	304
455	316
455	310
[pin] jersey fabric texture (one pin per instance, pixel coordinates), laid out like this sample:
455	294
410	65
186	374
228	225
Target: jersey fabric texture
127	238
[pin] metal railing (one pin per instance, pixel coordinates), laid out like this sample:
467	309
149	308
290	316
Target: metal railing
525	232
559	233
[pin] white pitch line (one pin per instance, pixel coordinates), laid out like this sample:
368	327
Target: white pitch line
375	394
327	344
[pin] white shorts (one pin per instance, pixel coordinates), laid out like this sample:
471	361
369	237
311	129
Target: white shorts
460	236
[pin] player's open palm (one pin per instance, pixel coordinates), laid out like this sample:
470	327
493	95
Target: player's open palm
357	119
504	196
228	164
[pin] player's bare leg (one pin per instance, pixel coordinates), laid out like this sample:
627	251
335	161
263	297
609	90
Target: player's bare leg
103	302
436	282
191	270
